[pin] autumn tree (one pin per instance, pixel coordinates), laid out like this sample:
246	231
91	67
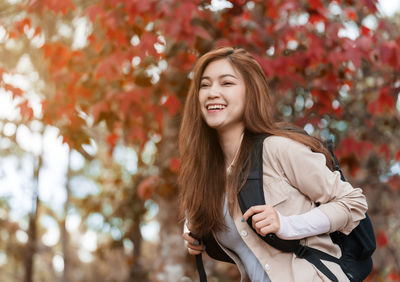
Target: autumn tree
333	67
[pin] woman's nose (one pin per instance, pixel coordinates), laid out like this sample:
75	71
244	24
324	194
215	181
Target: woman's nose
214	91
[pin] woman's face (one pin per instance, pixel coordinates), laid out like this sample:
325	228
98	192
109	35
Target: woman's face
222	96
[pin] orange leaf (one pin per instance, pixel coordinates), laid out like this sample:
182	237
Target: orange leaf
25	110
174	164
20	25
59	6
16	92
38	30
112	139
12	35
147	187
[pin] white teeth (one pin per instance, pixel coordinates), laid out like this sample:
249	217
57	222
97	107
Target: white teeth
215	107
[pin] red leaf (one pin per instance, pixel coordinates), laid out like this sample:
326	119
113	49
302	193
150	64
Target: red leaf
381	238
384	150
370	5
137	135
146	44
350	146
389	52
98	108
110	68
201	32
397	156
316	18
351	13
147	187
158	115
95	11
315	4
365	31
364	43
394	182
393	276
173	105
174	165
385	102
272	12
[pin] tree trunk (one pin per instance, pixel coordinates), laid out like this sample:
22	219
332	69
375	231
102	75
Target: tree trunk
32	229
64	232
137	272
170	262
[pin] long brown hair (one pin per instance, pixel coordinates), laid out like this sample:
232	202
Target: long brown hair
202	178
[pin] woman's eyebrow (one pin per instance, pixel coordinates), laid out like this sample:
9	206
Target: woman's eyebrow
221	76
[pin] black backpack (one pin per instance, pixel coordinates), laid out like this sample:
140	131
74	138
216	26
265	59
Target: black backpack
356	248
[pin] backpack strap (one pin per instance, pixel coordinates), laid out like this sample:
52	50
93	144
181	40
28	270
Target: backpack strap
200	268
252	194
336	164
199	264
315	257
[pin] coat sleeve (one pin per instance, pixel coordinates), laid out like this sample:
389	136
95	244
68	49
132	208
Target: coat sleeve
305	170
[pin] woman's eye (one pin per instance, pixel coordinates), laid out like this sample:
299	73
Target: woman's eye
227	83
203	85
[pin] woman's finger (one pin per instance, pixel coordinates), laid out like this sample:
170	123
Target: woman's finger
271	222
190	239
194	246
258	225
270	228
271	225
194	252
252	210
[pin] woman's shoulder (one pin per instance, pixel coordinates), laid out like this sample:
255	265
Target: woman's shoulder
277	148
275	142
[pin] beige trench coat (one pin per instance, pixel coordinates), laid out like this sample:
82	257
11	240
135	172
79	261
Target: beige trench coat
294	180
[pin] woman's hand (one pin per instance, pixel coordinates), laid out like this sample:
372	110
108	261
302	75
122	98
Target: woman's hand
265	219
193	245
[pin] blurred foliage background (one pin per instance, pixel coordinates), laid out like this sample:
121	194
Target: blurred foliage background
91	94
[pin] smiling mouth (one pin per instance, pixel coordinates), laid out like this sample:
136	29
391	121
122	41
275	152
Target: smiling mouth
215	107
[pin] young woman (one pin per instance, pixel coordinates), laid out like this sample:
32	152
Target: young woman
227	105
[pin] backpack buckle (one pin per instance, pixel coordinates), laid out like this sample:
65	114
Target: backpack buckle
301	251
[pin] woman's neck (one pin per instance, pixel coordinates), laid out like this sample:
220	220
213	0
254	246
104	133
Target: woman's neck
230	141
